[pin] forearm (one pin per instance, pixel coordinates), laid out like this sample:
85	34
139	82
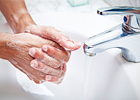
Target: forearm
16	14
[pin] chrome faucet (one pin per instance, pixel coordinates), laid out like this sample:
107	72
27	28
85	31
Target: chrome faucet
125	36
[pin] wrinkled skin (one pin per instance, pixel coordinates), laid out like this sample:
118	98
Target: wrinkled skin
16	51
41	58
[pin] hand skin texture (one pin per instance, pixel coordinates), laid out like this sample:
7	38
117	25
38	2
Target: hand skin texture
41	52
16	51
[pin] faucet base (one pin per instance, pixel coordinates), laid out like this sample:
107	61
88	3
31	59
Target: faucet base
129	57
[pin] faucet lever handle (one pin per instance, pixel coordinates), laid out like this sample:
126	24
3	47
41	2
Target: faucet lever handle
119	10
130	20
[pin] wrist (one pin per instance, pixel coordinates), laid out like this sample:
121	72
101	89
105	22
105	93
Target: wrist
21	21
16	14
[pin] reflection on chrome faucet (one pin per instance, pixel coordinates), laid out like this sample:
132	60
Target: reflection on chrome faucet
125	36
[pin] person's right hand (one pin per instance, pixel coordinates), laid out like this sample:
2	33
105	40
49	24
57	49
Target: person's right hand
51	33
16	51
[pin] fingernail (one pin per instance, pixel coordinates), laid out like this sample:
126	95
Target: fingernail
77	43
45	48
70	43
48	77
34	64
74	44
32	51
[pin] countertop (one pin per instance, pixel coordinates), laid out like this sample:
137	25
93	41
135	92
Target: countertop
45	6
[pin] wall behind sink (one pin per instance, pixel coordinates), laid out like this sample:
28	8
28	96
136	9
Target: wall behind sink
135	3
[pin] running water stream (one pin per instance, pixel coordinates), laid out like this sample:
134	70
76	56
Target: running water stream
87	70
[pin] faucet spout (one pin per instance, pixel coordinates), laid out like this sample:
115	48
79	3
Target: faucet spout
115	37
101	42
125	36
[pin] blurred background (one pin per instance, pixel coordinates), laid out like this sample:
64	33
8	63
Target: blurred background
35	7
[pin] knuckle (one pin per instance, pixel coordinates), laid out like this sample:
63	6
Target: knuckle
53	51
51	43
57	64
40	66
66	59
44	69
37	82
36	53
57	72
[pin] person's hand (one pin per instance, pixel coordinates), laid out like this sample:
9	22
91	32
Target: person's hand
16	51
20	21
53	34
58	54
50	59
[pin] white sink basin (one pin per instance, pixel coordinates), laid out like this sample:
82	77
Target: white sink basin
110	77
